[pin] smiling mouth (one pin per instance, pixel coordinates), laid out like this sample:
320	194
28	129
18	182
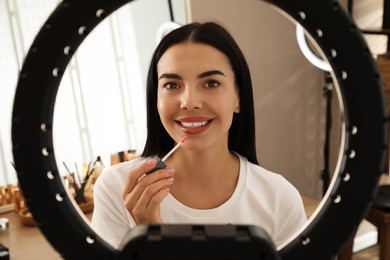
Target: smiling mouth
194	124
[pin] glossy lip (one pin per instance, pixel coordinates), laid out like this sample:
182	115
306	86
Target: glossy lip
194	130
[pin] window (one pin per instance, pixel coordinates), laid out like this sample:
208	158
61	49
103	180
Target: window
100	107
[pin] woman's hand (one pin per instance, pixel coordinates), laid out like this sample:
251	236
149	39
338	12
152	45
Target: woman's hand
143	193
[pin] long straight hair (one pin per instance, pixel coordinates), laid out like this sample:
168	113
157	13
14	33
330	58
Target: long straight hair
241	137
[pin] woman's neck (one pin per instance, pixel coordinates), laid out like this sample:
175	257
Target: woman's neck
204	180
202	163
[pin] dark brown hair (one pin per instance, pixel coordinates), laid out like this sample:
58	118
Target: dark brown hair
242	131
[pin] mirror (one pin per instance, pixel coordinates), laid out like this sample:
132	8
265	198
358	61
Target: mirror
100	104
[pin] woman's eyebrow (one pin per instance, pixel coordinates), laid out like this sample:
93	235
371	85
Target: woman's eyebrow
202	75
170	76
210	73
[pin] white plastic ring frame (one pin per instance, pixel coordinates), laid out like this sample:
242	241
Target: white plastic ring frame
300	34
164	29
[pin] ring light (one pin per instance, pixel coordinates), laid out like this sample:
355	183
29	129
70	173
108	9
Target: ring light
343	207
301	39
164	29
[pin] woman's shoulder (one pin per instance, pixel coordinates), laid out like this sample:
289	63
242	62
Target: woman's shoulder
127	165
257	169
258	173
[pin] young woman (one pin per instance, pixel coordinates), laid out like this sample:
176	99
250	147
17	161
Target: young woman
199	87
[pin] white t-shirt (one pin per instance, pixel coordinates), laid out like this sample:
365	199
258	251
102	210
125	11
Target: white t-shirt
261	198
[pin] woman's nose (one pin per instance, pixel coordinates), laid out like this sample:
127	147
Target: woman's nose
191	99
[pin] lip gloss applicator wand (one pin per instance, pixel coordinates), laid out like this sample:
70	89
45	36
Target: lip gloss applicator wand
160	163
174	148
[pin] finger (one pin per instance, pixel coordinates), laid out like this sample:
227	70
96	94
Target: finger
153	209
136	173
151	214
155	201
146	180
141	195
156	176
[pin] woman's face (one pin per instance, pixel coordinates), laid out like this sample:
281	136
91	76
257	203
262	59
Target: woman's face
197	95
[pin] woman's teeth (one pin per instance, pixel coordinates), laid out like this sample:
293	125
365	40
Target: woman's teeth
193	124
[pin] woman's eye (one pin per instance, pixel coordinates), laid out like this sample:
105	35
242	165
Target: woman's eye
171	85
212	84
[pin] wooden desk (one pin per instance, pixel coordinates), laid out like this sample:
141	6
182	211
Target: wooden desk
25	242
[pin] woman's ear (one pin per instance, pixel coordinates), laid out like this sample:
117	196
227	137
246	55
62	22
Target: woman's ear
237	108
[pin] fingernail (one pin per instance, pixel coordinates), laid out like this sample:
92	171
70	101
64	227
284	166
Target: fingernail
151	162
170	170
171	179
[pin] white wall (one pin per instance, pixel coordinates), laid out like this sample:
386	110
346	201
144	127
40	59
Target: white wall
288	90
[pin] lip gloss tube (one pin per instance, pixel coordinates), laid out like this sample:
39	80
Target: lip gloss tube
160	162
